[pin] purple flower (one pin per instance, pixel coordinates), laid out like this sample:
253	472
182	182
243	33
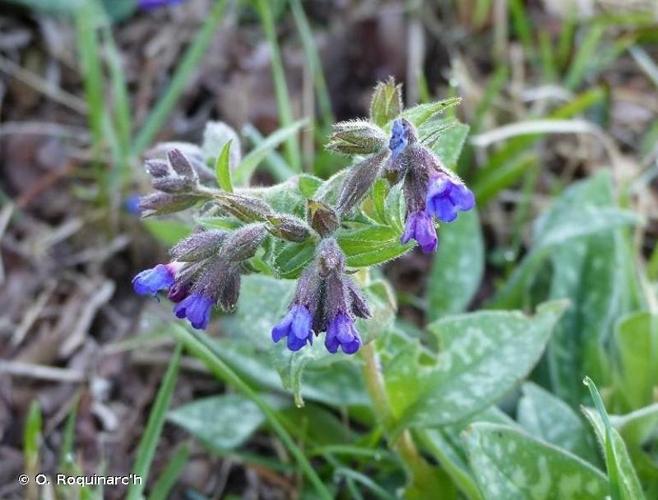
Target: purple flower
154	4
160	277
420	227
178	292
196	308
447	195
341	333
399	139
296	326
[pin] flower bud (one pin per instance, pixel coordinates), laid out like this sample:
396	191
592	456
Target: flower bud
198	246
386	103
358	303
356	137
173	184
321	217
157	168
181	165
288	227
330	258
242	243
164	203
359	180
244	208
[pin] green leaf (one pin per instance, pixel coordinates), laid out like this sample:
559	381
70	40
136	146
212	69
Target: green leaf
636	339
446	137
151	436
423	112
457	267
223	168
249	163
167	231
511	465
544	416
169	476
623	481
484	355
371	245
290	259
386	103
222	422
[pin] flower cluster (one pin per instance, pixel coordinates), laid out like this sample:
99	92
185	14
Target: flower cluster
326	300
430	189
206	268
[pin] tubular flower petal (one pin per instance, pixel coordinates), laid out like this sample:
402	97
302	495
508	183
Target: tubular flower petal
446	196
160	277
196	308
420	227
342	333
296	326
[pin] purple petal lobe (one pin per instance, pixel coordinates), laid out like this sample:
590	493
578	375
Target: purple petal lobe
296	326
196	308
342	333
447	195
151	281
420	227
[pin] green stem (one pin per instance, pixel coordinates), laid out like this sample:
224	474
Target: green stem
403	445
199	347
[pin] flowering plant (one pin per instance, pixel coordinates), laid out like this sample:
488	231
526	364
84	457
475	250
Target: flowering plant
324	228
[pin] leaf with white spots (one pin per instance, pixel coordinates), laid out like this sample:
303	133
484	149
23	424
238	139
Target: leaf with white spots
457	266
484	355
544	416
221	422
511	465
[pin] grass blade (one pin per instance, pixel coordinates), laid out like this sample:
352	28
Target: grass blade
280	85
188	64
156	420
250	162
198	347
313	60
170	474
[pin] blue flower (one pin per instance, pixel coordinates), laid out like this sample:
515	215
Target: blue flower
342	333
296	326
151	281
445	196
196	308
420	227
154	4
131	204
399	139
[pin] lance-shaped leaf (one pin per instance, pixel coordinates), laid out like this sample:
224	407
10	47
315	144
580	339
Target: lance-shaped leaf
622	478
511	465
386	103
483	356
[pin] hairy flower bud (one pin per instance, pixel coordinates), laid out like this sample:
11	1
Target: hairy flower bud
359	180
386	103
288	227
182	165
198	246
242	243
330	258
165	203
244	208
157	168
356	137
321	217
358	303
403	135
174	184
